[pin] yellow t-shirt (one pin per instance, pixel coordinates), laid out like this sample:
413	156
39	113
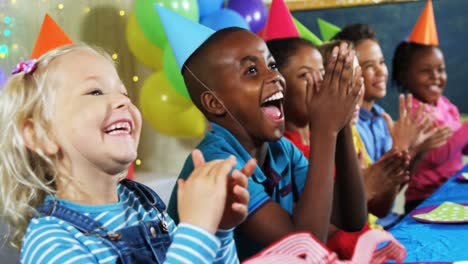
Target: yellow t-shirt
359	145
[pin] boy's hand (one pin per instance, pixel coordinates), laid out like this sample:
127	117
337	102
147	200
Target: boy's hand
331	105
235	210
202	197
388	172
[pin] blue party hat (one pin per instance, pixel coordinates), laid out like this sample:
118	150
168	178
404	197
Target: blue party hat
184	35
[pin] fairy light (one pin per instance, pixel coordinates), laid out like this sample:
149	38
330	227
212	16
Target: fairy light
138	162
122	13
87	9
7	20
135	78
115	56
60	6
13	2
15	46
6	32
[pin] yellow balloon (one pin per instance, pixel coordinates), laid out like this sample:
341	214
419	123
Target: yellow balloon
168	112
141	47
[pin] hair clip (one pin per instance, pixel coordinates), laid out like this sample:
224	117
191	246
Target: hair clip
27	67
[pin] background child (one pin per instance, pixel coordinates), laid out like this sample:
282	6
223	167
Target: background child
233	79
420	70
375	127
69	133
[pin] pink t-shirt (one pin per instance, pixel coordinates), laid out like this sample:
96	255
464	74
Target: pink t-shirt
441	163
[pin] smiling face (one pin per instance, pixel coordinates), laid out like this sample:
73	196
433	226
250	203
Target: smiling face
374	69
426	76
298	66
94	122
243	74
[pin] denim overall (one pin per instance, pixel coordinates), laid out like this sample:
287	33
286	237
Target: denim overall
146	242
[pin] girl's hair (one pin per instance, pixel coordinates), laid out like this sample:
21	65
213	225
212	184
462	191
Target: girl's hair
27	176
327	48
282	49
402	58
355	33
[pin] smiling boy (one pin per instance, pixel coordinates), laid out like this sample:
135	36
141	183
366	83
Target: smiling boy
232	78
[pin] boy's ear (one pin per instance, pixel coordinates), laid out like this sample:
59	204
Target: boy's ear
212	103
31	141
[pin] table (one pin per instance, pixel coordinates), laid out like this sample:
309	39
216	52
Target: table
436	242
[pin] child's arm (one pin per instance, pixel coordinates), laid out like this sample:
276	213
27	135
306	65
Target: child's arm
349	201
312	211
455	144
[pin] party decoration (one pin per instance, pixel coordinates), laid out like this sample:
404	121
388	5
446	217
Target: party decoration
206	7
3	79
425	30
184	35
253	11
167	112
148	18
50	37
306	33
172	72
141	47
280	23
224	18
327	29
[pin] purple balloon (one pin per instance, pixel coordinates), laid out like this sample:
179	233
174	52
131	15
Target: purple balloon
3	79
253	11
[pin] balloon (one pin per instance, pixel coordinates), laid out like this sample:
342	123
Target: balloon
253	11
172	72
224	18
167	112
141	47
148	18
206	7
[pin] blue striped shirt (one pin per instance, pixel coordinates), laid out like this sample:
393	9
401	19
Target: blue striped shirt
51	240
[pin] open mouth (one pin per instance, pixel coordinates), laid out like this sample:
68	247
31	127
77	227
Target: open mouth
272	106
119	128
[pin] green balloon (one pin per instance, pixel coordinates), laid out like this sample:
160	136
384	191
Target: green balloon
172	72
148	18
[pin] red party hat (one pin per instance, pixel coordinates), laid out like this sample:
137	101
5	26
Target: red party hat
280	23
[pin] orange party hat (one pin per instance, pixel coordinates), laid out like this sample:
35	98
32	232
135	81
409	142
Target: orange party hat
425	30
280	23
50	37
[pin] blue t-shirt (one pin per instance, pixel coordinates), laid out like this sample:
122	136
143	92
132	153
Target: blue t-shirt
51	240
282	180
374	131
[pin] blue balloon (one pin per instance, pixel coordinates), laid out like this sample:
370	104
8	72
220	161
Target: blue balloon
206	7
3	78
224	18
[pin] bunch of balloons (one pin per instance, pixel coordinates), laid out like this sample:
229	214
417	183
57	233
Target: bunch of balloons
164	100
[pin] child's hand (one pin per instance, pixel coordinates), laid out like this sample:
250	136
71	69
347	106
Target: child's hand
331	104
387	173
202	197
235	210
406	131
437	139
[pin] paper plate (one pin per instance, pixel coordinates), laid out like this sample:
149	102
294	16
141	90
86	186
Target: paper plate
462	177
445	213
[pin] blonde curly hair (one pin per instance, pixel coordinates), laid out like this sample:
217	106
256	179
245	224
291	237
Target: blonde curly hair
27	176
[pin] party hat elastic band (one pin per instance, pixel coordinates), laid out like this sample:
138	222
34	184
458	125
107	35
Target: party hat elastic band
50	36
280	23
425	30
184	35
327	29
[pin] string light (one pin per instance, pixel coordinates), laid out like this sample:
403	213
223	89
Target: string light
122	13
115	56
6	32
7	20
87	9
135	78
60	6
138	162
